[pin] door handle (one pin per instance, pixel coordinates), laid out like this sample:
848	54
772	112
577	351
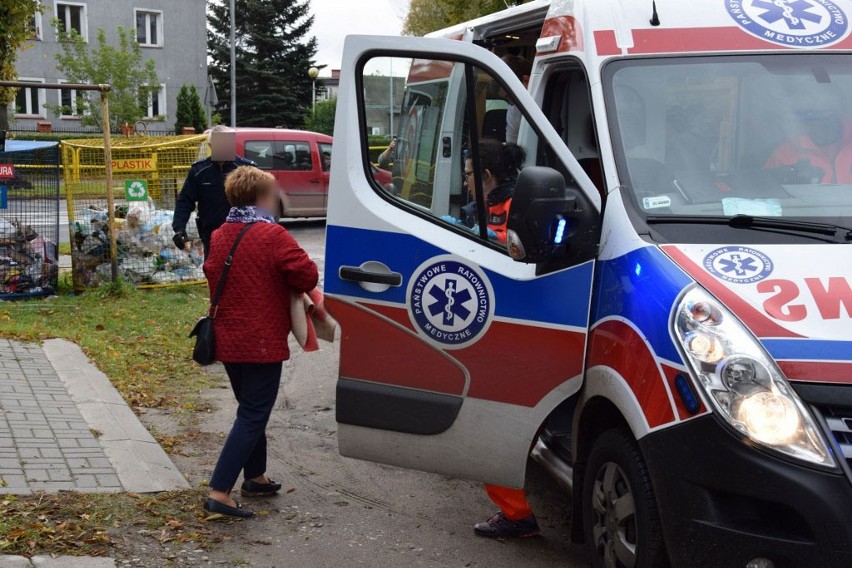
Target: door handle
315	181
358	274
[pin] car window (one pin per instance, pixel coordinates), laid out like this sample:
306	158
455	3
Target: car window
293	156
261	152
325	154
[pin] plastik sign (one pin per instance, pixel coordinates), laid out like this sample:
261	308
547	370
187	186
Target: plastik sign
791	23
7	171
450	302
135	165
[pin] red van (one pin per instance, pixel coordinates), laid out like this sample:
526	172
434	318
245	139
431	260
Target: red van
300	162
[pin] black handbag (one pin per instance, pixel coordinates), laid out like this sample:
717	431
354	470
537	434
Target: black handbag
204	352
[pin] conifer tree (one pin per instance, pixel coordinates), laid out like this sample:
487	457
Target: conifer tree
273	54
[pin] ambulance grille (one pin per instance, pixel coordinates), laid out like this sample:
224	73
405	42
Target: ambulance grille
839	422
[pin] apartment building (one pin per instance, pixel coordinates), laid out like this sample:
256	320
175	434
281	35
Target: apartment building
171	32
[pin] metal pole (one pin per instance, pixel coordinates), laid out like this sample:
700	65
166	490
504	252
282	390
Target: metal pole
314	106
391	98
233	68
113	247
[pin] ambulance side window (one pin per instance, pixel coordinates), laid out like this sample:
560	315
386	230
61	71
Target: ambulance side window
568	106
421	120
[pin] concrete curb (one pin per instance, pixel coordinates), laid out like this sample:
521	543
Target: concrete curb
141	464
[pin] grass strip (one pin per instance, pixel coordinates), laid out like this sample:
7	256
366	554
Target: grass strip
138	338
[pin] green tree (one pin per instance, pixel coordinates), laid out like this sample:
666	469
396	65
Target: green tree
273	54
122	66
16	29
199	115
183	114
190	111
425	16
322	119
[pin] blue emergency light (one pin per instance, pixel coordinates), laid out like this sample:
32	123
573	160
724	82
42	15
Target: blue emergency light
687	395
560	231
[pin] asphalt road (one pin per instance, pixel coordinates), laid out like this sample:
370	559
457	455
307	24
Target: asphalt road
348	512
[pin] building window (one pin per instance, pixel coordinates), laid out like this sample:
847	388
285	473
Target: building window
35	25
30	100
149	28
153	102
71	102
72	17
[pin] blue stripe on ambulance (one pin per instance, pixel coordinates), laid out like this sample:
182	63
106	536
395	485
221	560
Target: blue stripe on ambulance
808	349
404	254
641	287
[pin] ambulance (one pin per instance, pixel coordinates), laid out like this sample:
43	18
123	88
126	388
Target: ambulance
667	329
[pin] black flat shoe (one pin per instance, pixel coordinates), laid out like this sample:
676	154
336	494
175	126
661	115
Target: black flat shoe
252	489
213	506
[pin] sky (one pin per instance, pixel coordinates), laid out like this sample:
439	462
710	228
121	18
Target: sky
335	19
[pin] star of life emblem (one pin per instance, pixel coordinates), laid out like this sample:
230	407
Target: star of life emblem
738	265
792	23
450	303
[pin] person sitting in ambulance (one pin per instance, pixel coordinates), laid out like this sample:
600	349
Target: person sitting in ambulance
501	162
822	152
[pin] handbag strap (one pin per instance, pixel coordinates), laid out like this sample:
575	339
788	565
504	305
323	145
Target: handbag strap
220	286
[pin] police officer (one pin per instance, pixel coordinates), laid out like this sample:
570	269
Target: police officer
205	188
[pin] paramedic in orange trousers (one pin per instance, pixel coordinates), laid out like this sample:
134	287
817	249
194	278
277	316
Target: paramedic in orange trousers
501	163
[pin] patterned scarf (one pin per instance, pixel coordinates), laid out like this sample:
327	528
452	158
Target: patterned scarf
248	214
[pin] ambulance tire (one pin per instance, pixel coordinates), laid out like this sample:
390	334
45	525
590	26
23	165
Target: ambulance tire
615	475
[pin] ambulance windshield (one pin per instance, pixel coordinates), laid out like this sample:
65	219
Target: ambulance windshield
767	136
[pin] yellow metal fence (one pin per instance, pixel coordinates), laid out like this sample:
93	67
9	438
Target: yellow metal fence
148	173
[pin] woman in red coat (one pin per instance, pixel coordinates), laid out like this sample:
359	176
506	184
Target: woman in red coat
251	327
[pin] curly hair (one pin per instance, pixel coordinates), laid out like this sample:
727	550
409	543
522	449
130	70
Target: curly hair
246	184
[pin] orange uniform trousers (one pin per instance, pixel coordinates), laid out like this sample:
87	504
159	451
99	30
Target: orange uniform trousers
513	502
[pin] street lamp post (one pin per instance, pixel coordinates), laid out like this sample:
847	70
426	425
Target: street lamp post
233	66
313	73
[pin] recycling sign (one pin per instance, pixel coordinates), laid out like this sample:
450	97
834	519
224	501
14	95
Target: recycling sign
136	190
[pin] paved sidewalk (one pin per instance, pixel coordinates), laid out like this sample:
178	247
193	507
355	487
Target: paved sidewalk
63	426
45	444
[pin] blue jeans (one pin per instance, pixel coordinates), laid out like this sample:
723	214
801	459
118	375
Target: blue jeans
256	388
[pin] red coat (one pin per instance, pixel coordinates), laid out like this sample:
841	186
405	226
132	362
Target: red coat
253	321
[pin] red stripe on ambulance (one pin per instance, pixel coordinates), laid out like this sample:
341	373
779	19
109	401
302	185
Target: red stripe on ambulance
817	371
607	43
616	345
550	357
405	359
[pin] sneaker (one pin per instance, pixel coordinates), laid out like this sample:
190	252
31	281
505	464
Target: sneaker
500	527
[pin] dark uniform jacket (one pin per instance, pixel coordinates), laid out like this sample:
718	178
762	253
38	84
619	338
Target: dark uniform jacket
205	187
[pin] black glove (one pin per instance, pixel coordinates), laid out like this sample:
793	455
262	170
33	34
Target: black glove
180	239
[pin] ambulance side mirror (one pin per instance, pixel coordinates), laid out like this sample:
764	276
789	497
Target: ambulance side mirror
543	216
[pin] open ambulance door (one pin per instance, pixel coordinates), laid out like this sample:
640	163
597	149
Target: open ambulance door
452	354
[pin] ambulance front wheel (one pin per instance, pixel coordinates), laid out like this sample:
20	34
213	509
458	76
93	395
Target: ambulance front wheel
620	518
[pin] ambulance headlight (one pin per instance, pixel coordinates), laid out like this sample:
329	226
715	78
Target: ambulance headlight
743	383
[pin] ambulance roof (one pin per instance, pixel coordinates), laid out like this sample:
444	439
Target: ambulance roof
606	28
